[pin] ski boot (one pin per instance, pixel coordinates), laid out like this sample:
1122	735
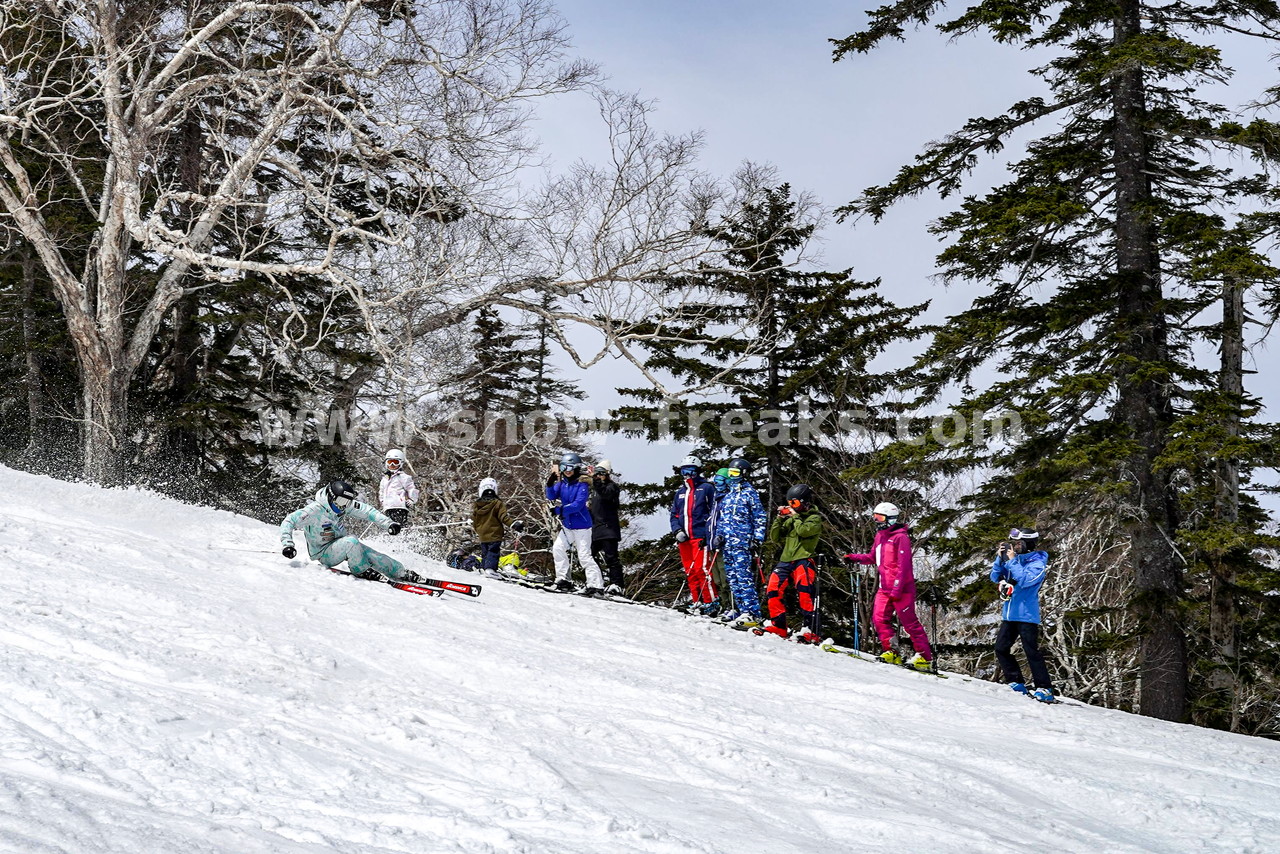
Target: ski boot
1020	688
890	656
1044	695
919	662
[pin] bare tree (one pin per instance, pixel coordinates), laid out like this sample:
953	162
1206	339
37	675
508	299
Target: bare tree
323	128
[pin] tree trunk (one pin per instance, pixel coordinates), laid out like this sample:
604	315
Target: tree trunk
1222	601
37	396
105	402
1143	404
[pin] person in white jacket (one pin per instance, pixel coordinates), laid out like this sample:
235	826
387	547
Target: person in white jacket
397	492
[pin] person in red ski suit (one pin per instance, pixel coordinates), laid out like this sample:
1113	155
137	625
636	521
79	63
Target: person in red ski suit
891	555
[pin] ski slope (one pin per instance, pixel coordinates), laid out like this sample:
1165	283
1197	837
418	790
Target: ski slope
160	692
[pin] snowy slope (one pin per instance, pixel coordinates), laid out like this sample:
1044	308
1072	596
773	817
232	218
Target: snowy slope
159	693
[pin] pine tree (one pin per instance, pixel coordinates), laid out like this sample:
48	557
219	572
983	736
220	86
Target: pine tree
1089	313
780	356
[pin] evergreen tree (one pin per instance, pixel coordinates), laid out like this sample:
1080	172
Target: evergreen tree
1088	255
781	358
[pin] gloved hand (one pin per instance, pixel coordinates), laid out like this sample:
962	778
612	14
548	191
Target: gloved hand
718	543
1006	590
290	552
518	526
552	478
393	528
785	511
557	503
681	536
849	561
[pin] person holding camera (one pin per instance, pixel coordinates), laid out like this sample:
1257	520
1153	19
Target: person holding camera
1019	569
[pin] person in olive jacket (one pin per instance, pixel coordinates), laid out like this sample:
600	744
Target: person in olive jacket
606	527
489	518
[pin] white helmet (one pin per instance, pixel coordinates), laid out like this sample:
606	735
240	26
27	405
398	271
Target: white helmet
890	512
485	485
395	455
691	460
604	465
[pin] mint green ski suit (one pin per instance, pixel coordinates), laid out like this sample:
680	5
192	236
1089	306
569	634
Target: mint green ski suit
327	539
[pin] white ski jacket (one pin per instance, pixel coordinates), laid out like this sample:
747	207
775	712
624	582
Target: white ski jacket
397	491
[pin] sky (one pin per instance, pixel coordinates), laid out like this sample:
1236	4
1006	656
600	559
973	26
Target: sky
758	79
169	682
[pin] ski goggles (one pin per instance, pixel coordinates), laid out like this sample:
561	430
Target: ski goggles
735	472
566	468
879	517
393	462
688	471
341	501
795	503
1022	534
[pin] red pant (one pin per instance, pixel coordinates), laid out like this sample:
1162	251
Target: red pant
803	573
694	557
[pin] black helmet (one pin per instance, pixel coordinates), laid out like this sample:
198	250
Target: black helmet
802	493
742	464
1029	537
340	494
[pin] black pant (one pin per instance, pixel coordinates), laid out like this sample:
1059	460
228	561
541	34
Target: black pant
398	514
606	554
490	553
1029	634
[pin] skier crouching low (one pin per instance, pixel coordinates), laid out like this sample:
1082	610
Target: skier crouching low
321	524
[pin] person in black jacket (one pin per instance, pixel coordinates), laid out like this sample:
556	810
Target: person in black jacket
606	528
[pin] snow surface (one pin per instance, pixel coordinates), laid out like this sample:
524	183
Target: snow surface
160	692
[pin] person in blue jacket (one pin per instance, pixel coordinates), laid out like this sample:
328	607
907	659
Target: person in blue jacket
740	528
1019	569
568	494
691	509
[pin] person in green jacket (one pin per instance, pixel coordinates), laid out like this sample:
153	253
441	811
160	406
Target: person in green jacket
793	539
489	518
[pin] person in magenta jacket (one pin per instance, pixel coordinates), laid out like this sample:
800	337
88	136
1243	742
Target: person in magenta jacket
891	555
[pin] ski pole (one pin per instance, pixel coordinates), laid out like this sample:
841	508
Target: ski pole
857	610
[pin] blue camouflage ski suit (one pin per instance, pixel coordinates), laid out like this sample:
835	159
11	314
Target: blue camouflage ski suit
327	539
741	521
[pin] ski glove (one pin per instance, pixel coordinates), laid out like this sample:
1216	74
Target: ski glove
518	526
718	543
681	536
290	552
551	479
394	528
1006	590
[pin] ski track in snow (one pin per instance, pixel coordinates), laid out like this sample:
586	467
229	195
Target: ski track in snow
160	693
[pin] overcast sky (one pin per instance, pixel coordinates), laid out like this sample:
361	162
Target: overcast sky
756	77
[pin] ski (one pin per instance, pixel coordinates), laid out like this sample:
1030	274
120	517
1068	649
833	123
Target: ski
398	585
871	659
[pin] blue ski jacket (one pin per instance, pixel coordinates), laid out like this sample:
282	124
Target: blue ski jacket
573	495
740	517
1027	572
691	508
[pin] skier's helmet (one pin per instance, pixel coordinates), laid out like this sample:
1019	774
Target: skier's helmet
394	460
800	497
1029	537
739	467
487	485
570	463
885	515
340	495
690	466
721	481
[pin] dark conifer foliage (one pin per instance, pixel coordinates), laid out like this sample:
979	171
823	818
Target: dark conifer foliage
782	358
1097	263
